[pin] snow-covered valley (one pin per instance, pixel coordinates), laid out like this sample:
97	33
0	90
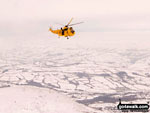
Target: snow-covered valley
93	69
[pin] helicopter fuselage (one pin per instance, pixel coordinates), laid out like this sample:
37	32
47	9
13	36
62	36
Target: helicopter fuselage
66	31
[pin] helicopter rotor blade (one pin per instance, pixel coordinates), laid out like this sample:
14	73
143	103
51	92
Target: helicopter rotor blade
60	24
75	23
70	21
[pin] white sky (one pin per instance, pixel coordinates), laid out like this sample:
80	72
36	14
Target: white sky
98	15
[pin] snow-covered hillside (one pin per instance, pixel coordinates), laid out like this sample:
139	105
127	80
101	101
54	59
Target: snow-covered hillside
94	69
27	99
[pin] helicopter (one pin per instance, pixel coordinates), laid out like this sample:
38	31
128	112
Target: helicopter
66	31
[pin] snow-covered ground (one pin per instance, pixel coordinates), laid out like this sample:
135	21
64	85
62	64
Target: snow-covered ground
93	69
27	99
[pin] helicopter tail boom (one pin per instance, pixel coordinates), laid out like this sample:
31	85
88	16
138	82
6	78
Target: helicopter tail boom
55	31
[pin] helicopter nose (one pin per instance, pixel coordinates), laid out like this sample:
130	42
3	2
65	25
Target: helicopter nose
72	31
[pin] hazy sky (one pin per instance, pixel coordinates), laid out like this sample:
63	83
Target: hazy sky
18	16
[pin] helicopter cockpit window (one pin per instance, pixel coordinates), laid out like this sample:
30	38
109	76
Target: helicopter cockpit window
71	29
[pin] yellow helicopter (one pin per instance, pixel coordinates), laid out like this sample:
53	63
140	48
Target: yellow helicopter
66	31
